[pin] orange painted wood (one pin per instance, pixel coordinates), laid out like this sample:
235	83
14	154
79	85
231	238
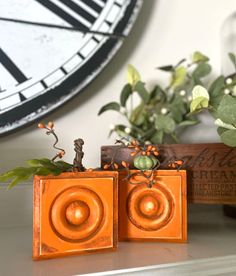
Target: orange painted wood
211	168
153	214
75	213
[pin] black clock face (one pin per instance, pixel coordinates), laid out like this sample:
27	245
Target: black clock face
51	49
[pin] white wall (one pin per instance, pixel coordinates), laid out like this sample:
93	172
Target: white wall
165	31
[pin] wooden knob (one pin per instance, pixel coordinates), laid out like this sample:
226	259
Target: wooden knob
148	206
77	212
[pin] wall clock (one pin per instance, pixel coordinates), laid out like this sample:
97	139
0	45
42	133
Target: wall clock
51	49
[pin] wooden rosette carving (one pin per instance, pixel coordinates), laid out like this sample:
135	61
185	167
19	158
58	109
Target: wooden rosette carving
75	213
156	213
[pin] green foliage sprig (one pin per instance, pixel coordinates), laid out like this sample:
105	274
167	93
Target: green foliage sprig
42	166
220	100
162	111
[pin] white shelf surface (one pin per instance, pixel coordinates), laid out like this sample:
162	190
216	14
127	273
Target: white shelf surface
211	250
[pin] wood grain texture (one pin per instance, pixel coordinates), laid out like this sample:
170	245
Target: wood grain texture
153	214
75	213
211	168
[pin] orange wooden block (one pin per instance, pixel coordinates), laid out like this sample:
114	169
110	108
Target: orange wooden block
75	213
156	214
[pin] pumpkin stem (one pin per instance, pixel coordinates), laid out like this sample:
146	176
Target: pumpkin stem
77	164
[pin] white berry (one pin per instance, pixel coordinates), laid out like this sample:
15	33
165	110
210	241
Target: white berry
164	110
182	93
229	81
151	119
112	126
226	91
127	130
147	143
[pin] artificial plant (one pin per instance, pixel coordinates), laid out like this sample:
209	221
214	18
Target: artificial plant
220	100
162	111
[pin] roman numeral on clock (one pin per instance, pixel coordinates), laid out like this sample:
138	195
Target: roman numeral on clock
11	67
79	13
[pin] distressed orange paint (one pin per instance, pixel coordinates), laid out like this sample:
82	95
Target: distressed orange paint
75	213
156	214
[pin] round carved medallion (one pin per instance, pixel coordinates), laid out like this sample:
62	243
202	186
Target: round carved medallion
150	209
76	214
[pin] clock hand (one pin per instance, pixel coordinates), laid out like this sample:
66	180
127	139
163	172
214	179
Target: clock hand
12	68
74	28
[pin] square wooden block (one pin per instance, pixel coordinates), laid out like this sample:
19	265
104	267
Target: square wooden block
156	214
75	213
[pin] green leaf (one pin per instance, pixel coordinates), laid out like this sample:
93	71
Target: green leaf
176	113
199	103
216	92
217	86
157	138
180	62
157	93
165	123
110	106
220	123
141	90
125	93
120	130
178	77
148	134
202	70
198	57
178	101
188	123
16	181
17	175
177	108
46	171
233	59
228	137
175	138
226	110
200	91
41	162
137	117
167	68
133	75
63	166
42	166
7	175
200	98
221	130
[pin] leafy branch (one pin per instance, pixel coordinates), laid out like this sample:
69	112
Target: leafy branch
42	166
162	112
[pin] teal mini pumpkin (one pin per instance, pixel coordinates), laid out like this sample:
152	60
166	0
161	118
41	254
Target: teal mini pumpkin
145	162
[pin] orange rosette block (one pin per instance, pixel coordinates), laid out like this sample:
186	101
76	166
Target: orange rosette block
158	213
75	213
